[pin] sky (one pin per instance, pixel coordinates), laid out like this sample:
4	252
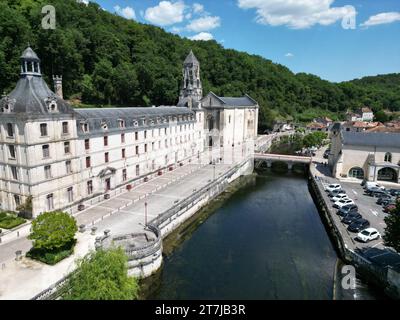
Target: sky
338	40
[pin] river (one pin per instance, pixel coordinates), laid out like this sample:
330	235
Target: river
267	241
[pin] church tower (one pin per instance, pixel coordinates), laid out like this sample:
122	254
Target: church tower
192	90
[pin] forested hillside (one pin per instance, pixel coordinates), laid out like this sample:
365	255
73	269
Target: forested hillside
108	60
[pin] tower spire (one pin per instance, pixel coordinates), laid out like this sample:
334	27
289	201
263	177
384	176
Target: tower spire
192	89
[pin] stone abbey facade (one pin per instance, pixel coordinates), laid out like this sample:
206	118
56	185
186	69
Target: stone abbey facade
61	156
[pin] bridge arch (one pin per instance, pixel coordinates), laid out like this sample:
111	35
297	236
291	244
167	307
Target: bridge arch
356	172
387	174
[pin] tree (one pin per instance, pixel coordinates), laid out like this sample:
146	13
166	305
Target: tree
392	230
102	275
381	116
53	230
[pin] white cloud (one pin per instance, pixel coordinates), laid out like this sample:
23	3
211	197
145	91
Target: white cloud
205	36
198	8
127	12
382	18
289	55
297	14
166	13
204	24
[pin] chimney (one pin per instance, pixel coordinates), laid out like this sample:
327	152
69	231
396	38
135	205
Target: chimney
58	86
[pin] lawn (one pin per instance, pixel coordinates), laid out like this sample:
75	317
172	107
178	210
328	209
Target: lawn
9	220
54	256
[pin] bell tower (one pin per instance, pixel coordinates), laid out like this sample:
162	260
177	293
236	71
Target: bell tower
192	90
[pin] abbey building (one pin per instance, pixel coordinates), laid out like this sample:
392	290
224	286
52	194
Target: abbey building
62	157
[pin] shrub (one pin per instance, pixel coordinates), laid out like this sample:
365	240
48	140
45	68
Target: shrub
53	230
9	220
54	256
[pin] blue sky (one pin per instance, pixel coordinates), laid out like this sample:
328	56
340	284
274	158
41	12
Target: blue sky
304	35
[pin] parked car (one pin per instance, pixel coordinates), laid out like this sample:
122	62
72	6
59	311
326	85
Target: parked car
358	225
389	208
334	193
343	211
394	192
349	218
386	202
384	197
332	187
343	202
376	192
369	184
340	197
368	235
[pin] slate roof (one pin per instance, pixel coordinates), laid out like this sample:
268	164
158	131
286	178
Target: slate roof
30	95
191	59
29	54
238	102
381	139
156	117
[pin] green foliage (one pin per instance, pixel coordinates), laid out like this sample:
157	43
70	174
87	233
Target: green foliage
102	275
314	139
26	206
9	220
53	230
381	116
392	230
108	60
51	257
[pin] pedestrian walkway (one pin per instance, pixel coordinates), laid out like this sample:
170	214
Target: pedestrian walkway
125	213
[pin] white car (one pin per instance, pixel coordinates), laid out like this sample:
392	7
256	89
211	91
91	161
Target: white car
370	184
343	202
332	187
368	235
340	197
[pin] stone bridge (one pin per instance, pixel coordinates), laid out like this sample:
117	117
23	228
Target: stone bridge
269	158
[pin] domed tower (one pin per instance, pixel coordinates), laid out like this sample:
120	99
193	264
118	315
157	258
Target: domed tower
31	94
192	90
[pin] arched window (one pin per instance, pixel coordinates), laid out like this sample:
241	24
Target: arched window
388	157
357	173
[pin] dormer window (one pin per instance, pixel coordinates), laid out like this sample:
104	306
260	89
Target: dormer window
85	126
51	103
121	123
135	123
7	105
104	125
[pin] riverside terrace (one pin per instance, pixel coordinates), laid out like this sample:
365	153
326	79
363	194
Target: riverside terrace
123	213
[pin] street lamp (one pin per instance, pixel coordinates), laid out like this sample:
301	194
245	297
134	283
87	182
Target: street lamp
145	212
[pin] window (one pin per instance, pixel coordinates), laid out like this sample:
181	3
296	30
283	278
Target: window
50	202
106	157
14	172
230	119
152	146
145	148
137	170
123	138
145	134
137	150
17	200
47	172
124	175
10	130
70	194
88	164
105	141
67	148
11	148
388	157
65	127
46	151
68	167
89	187
85	127
121	123
43	129
136	136
87	144
123	153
